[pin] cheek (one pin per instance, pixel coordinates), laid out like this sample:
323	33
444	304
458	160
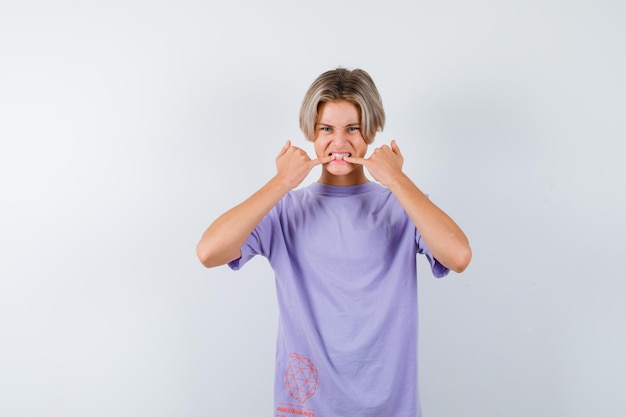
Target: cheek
318	151
361	147
319	145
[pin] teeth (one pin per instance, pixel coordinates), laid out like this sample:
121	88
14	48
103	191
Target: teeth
340	155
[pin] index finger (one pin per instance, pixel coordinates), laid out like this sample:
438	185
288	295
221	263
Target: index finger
355	160
322	160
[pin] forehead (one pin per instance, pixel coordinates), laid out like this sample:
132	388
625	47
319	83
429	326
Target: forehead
339	112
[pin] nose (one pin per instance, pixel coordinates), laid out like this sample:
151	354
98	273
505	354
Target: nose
340	138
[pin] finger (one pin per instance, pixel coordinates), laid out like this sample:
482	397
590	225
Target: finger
395	147
355	160
323	160
285	148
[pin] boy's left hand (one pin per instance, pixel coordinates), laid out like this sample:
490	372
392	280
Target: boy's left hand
384	164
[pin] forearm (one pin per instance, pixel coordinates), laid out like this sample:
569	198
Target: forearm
223	239
444	237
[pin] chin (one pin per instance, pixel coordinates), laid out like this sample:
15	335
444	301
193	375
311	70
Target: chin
339	170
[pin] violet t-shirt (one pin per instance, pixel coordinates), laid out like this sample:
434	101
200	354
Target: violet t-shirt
345	266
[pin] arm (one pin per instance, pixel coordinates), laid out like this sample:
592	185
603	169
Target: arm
223	239
444	238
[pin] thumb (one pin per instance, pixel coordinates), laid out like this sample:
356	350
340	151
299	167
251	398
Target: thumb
395	148
285	148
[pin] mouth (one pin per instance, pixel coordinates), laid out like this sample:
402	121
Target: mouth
339	155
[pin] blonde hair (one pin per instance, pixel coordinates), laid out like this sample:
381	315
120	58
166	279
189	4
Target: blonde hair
355	86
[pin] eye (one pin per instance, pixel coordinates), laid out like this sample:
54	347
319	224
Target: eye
326	129
353	128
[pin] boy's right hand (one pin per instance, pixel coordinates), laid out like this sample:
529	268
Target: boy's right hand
293	165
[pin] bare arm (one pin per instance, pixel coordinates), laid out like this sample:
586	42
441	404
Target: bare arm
223	239
444	238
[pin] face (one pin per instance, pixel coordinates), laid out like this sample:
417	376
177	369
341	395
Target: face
338	133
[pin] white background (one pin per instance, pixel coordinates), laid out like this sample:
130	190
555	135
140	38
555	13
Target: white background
127	127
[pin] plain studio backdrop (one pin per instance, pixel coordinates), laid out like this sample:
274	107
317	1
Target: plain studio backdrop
127	127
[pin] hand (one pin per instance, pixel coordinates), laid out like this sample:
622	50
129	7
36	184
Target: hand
293	165
385	163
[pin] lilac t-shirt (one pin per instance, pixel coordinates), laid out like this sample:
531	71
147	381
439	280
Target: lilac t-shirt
345	265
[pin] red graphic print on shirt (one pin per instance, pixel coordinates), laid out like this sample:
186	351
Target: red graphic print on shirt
301	378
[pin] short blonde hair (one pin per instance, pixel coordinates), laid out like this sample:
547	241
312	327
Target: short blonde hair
355	86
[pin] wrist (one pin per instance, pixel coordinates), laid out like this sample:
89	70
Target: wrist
281	184
399	180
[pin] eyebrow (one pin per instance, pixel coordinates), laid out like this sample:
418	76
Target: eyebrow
329	125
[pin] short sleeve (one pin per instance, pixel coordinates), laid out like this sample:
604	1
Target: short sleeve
258	243
438	269
248	251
